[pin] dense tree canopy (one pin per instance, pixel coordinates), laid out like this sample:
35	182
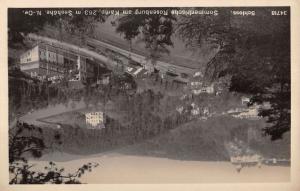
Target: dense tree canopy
255	51
155	30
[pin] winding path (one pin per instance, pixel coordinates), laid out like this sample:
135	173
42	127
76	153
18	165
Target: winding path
33	118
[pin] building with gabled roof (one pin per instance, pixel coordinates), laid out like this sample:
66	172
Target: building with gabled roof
45	61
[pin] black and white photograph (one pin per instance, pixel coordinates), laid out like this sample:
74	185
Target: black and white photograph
149	95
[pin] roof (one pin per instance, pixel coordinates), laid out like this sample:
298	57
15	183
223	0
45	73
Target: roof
61	49
138	71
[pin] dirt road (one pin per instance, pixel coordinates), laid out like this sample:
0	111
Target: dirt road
32	118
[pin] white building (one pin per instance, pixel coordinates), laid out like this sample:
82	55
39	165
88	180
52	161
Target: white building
198	74
47	60
196	84
95	119
245	100
255	158
195	109
209	89
206	111
204	89
179	109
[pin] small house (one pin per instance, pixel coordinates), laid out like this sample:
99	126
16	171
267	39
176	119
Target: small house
95	120
245	100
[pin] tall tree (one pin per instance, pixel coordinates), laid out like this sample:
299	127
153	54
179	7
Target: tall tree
20	23
27	140
155	30
81	25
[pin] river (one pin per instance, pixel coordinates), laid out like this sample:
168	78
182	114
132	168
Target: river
119	168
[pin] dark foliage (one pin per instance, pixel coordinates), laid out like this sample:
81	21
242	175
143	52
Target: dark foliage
24	138
23	174
255	52
154	30
28	141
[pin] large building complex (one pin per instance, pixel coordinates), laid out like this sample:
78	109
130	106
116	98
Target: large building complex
49	61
